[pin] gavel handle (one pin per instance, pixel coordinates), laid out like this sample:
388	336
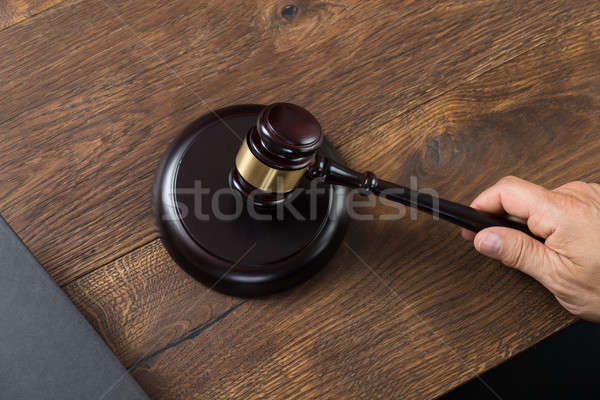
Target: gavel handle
458	214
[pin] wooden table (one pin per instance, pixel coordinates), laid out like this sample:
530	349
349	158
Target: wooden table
454	93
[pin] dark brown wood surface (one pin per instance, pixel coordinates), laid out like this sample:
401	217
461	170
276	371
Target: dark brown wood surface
99	89
14	11
455	94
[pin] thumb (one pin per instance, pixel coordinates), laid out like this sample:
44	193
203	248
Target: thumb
515	249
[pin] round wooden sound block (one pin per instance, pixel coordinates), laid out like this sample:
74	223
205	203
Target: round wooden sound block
215	234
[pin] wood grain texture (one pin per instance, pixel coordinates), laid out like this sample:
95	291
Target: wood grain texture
411	312
143	301
91	94
15	11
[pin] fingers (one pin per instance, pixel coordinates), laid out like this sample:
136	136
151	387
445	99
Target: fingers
467	234
543	210
512	195
520	199
517	250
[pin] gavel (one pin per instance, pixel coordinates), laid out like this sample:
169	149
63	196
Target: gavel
284	146
282	150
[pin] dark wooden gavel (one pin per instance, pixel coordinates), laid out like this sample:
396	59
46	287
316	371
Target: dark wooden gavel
284	146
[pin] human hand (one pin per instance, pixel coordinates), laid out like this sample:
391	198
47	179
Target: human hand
568	218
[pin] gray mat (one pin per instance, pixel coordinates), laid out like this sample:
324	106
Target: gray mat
47	348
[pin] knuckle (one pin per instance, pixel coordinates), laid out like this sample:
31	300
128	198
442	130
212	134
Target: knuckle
517	254
508	180
572	203
575	184
521	256
541	220
579	186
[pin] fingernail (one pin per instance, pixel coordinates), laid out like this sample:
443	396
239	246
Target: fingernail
490	245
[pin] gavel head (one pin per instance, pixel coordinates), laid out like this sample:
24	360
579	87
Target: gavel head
276	153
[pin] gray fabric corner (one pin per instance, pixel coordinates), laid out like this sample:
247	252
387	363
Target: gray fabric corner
47	348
